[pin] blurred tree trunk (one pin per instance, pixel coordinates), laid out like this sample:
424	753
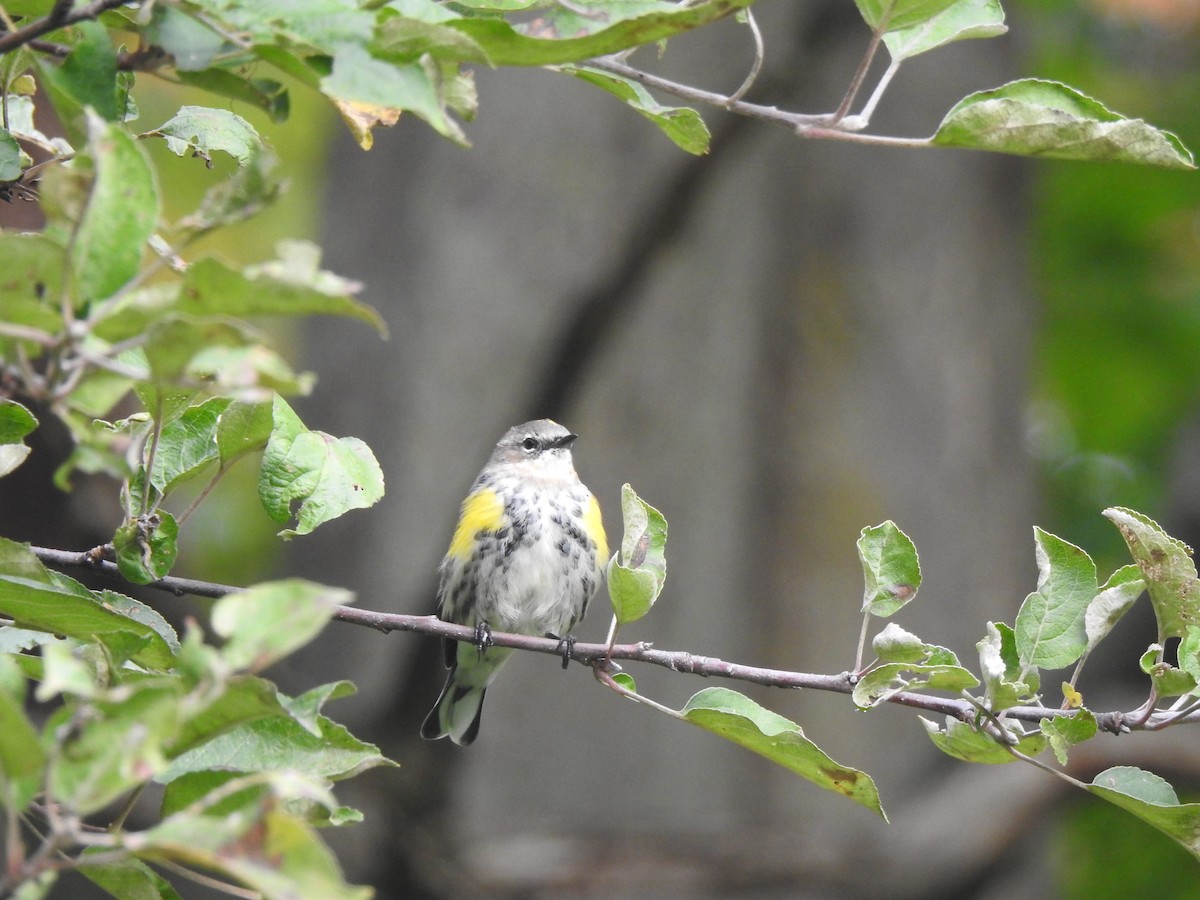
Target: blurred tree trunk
776	344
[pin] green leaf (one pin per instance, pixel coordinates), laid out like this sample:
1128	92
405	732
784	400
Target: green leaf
249	620
262	848
146	547
402	39
31	287
1168	680
211	712
280	743
636	575
895	644
10	156
1152	800
69	609
191	43
121	212
22	759
18	559
890	679
1189	652
264	93
242	428
625	680
187	444
1050	628
202	131
115	746
292	285
1123	587
1167	567
321	24
507	46
895	15
196	788
361	85
1005	682
963	742
306	708
962	20
172	344
1065	732
140	612
15	422
891	569
681	124
129	879
739	719
65	671
328	475
1032	117
88	75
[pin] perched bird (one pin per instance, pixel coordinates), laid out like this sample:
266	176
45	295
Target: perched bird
527	556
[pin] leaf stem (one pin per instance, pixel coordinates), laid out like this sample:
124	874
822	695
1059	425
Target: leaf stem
860	75
604	676
756	66
862	642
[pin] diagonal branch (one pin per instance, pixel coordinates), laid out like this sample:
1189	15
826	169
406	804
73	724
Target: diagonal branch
60	16
601	655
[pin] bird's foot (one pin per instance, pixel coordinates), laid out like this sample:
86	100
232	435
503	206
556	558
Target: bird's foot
566	647
483	636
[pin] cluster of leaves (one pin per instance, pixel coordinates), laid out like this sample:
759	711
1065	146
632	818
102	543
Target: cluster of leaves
1057	626
163	373
245	770
375	61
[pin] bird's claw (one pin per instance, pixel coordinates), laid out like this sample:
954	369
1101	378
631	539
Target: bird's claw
483	636
566	648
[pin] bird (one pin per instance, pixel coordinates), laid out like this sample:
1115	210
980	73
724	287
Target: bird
527	556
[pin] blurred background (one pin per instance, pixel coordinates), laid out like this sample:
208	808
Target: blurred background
776	344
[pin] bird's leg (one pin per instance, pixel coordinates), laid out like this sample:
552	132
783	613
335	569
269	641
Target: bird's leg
566	647
483	637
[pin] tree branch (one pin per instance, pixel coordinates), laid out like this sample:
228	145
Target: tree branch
823	126
60	16
599	655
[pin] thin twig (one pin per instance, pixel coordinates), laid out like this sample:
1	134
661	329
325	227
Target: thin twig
824	126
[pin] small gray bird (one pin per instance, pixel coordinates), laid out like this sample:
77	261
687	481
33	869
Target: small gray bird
527	557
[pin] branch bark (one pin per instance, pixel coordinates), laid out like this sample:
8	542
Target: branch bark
602	656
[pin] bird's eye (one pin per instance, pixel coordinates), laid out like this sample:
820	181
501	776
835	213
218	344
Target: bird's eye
530	443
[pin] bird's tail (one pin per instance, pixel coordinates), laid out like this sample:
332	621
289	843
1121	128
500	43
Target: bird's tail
457	711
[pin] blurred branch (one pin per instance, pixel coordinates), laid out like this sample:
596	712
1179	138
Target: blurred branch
601	657
60	16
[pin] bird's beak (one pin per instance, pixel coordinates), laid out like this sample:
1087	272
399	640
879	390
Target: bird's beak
565	441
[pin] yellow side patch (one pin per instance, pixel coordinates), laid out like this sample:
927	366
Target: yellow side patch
594	524
481	511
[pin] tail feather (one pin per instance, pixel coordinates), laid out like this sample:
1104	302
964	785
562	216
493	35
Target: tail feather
456	714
